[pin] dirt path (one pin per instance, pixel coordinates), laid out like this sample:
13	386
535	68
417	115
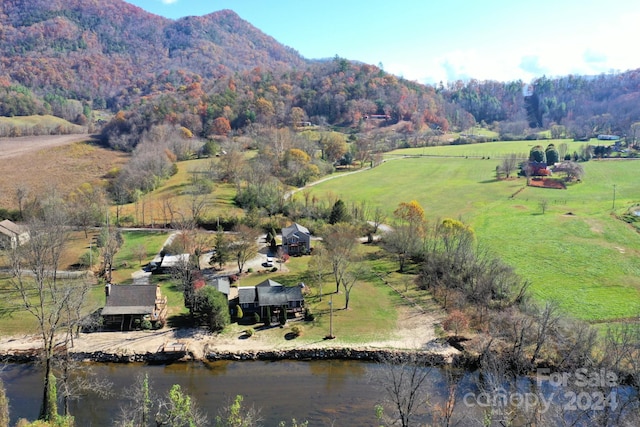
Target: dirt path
13	147
415	331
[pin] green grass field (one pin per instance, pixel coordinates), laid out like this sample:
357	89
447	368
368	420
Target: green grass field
577	253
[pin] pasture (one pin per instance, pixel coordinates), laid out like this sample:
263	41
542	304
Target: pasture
577	253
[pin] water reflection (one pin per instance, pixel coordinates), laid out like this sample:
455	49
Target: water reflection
326	393
319	391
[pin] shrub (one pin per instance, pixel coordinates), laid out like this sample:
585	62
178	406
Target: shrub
296	330
456	321
239	312
256	318
308	315
250	270
249	332
146	324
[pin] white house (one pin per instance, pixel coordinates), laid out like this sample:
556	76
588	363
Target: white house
12	235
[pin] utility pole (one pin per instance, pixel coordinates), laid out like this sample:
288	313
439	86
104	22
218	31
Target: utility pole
330	336
614	198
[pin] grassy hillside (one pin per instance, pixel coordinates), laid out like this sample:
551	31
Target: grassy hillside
37	125
577	253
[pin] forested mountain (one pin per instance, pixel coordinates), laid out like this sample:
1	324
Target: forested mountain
91	49
192	71
217	72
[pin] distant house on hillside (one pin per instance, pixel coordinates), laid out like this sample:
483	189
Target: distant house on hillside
270	297
12	235
296	240
127	306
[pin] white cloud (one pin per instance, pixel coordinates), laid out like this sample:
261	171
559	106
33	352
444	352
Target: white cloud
169	1
601	49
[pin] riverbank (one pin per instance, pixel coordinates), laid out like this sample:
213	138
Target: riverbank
414	332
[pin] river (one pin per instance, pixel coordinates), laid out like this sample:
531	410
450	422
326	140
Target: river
325	393
322	392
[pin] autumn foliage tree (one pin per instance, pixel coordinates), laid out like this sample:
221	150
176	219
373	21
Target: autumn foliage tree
456	321
404	240
221	126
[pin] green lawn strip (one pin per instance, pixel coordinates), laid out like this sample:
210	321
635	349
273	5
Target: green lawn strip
126	260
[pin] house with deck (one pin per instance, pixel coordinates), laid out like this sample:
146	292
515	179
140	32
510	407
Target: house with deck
269	297
127	306
296	240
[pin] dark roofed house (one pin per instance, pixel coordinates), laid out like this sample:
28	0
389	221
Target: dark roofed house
128	306
296	240
221	284
270	297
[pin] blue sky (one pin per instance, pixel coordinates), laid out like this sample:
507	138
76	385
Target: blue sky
445	40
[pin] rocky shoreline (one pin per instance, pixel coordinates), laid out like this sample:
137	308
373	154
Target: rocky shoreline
373	355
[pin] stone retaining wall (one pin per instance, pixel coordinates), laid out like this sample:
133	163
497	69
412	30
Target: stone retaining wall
212	355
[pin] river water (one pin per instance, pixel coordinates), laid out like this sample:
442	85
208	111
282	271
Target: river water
325	393
322	392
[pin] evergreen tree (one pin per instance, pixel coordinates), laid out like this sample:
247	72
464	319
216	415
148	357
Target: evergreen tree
338	213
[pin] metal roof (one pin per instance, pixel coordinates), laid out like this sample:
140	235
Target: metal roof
130	299
293	229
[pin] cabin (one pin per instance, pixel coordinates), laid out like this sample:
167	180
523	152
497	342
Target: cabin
12	235
296	240
128	306
269	297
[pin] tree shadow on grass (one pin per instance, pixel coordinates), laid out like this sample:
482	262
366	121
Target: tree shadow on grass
183	320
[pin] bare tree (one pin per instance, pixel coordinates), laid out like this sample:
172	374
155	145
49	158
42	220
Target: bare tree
110	241
245	245
88	206
340	244
509	165
22	192
543	204
377	219
403	242
318	267
546	321
354	273
404	382
141	401
48	298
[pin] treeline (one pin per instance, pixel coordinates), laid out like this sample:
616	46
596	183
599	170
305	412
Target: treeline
573	106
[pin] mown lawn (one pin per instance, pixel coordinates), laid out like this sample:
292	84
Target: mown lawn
578	253
14	319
